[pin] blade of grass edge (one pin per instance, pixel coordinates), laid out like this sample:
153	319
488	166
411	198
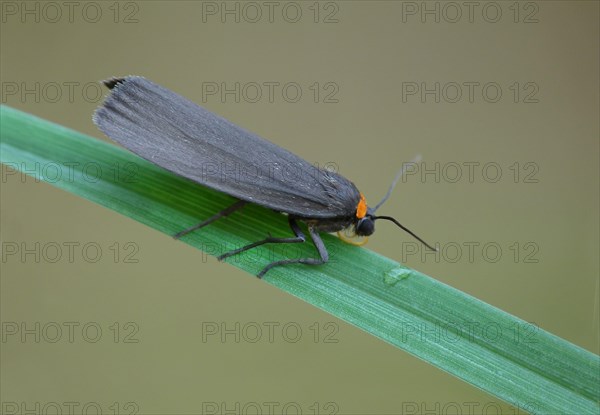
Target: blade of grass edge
514	360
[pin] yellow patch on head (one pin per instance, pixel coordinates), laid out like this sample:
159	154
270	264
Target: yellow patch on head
361	208
352	238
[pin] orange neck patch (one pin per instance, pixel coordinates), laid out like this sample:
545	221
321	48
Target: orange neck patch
361	208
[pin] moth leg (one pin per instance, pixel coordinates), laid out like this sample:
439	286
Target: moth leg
225	212
270	240
317	241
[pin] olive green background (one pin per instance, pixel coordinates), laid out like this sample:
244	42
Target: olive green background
369	53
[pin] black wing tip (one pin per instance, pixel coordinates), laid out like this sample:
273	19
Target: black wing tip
115	81
113	84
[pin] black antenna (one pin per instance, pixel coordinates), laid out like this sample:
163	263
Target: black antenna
405	229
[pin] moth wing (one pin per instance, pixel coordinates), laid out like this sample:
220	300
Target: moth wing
190	141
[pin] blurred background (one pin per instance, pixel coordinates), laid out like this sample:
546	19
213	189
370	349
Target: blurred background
500	99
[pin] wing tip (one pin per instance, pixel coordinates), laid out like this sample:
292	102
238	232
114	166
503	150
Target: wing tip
114	83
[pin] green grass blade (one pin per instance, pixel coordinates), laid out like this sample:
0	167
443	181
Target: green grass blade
499	353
